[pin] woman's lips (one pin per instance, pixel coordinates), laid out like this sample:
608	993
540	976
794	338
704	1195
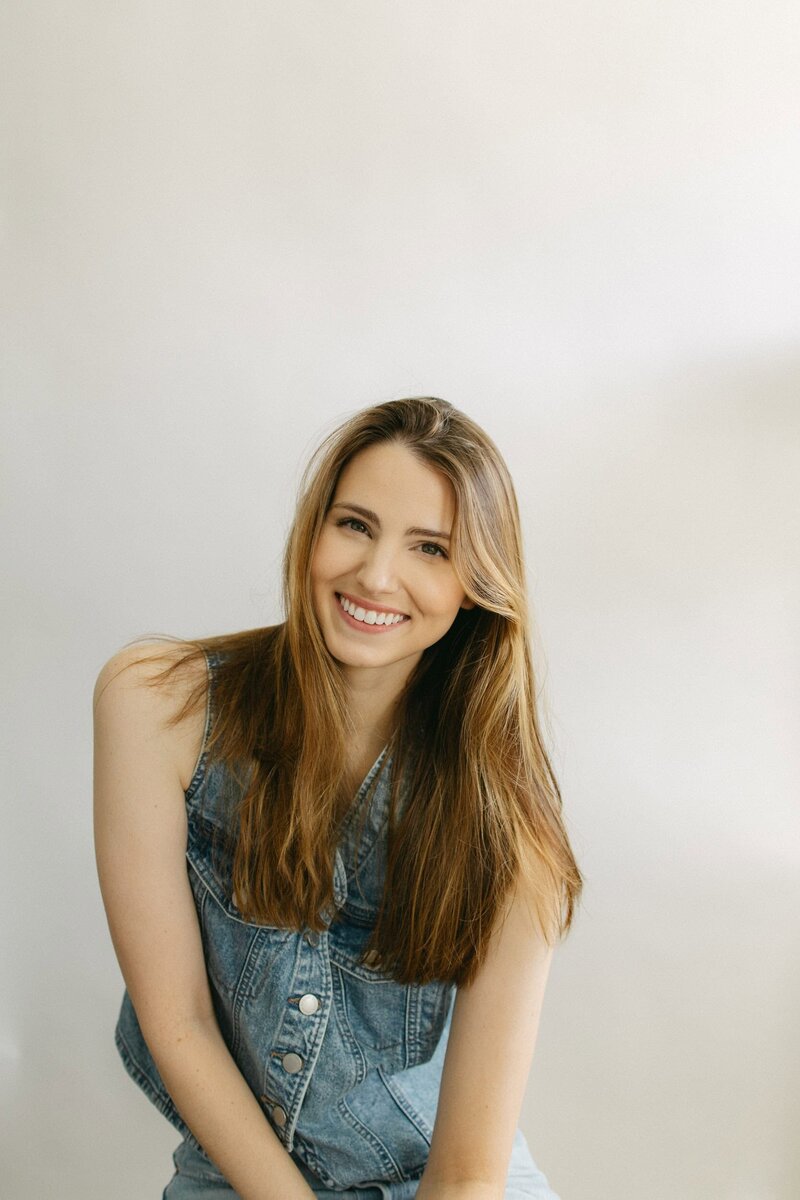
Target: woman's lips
368	605
362	626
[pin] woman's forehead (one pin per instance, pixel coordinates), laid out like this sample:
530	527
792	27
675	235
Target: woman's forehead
389	478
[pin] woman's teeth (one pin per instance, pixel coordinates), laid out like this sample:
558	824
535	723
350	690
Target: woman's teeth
369	616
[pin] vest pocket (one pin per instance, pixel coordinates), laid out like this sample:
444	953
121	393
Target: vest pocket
393	1025
237	952
393	1131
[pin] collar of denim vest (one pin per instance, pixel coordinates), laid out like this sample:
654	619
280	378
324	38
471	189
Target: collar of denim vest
375	823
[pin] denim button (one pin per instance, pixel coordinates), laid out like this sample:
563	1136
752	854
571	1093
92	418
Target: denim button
292	1063
312	937
308	1004
279	1116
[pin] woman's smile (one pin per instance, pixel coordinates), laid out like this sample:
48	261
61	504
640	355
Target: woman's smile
368	619
383	582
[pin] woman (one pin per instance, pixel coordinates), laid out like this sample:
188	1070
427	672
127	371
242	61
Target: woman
331	851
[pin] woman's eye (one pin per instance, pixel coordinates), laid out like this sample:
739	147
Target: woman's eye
440	550
350	521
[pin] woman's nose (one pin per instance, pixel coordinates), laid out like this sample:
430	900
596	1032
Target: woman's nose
378	570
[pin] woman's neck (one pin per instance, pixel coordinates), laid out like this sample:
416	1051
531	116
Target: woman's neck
372	696
372	720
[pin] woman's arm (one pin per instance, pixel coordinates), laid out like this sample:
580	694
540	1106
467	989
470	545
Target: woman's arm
140	842
489	1053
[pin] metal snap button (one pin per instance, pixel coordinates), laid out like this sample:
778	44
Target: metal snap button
279	1116
309	1004
292	1063
311	937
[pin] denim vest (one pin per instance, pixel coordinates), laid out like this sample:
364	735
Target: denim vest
345	1062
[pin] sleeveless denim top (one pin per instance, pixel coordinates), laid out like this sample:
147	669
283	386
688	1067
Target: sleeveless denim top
345	1061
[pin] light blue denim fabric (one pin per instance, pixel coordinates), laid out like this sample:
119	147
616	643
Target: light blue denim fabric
196	1178
345	1062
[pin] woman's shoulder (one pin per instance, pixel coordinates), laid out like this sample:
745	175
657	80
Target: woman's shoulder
135	668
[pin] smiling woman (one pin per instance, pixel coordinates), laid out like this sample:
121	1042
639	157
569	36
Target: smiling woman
320	915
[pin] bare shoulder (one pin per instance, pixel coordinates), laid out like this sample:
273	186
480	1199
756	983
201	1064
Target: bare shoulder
140	832
123	693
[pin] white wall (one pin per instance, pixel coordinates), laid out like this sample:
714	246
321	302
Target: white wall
227	227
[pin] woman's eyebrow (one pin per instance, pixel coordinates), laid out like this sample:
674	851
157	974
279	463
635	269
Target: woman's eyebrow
375	519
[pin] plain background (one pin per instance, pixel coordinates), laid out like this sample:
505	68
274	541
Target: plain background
226	228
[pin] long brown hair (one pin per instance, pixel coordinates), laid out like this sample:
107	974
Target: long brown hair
483	810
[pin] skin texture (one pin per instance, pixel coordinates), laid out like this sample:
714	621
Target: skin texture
381	562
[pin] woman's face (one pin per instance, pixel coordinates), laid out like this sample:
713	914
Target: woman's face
383	551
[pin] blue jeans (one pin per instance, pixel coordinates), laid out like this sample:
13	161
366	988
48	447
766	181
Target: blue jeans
196	1178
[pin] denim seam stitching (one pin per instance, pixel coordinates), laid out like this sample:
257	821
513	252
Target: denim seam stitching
346	1032
406	1107
230	915
160	1098
369	1136
199	770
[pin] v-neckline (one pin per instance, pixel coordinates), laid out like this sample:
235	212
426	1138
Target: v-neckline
370	772
356	803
